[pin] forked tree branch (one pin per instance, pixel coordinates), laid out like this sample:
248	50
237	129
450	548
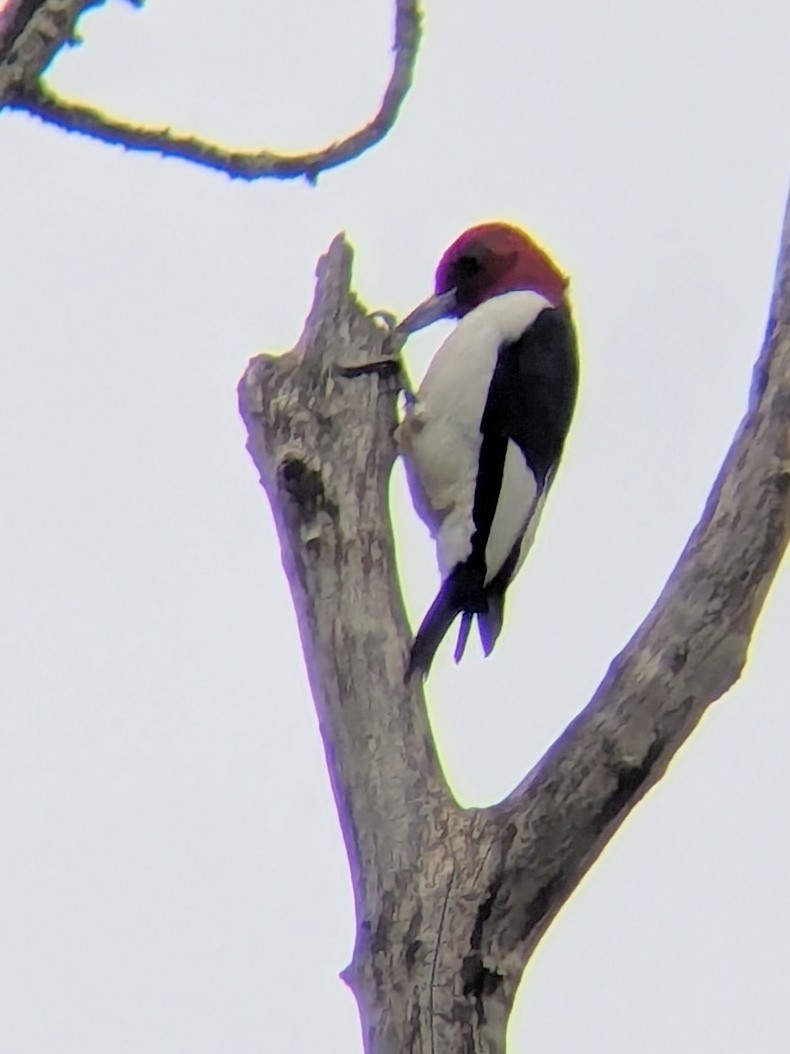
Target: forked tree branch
451	902
28	93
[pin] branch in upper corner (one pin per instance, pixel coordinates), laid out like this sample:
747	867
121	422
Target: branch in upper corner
31	34
238	164
14	16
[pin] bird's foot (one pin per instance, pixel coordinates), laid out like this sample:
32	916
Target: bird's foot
385	318
389	367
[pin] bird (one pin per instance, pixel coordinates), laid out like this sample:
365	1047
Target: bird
483	435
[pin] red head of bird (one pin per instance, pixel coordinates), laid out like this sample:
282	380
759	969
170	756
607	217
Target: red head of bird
483	262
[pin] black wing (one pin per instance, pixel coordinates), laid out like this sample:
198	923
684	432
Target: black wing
530	401
533	391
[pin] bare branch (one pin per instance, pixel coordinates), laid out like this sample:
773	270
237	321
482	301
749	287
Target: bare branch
450	902
688	652
14	15
31	32
36	99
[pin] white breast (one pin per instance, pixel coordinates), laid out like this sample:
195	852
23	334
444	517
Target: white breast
440	436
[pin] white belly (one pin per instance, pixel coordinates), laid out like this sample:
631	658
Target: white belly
440	437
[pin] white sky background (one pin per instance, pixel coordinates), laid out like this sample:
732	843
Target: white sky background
173	877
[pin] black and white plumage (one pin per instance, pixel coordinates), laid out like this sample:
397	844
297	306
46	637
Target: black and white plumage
484	435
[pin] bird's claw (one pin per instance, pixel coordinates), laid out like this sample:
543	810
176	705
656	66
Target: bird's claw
385	318
384	367
391	367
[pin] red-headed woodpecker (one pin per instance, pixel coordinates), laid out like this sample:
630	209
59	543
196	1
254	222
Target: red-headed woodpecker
483	436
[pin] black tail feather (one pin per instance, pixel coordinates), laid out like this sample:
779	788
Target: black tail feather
463	635
489	623
430	635
462	591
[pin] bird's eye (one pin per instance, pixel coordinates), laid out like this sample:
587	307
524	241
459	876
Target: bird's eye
467	266
466	269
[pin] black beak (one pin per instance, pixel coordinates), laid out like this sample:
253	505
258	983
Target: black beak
431	310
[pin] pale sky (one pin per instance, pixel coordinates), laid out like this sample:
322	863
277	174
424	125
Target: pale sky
174	879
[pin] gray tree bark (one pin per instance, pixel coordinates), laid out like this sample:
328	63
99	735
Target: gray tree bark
31	32
451	902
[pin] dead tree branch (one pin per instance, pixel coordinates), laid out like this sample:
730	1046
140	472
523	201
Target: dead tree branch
31	32
29	94
451	903
688	652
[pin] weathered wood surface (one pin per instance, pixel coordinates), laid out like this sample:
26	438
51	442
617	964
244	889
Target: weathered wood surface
30	36
450	902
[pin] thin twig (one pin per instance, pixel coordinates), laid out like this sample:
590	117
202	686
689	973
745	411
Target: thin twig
74	117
